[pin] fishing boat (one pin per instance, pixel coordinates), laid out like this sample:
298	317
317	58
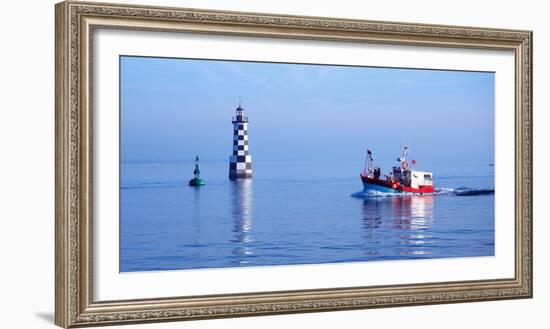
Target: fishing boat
402	180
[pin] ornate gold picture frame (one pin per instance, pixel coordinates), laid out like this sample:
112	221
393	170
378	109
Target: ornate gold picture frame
76	22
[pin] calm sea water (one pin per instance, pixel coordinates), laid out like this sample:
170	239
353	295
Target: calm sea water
292	214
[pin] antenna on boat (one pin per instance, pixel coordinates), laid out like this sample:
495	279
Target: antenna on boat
403	159
406	149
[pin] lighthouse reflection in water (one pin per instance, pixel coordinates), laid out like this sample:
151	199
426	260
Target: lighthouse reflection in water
242	220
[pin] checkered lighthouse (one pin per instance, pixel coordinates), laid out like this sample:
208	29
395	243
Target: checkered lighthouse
240	162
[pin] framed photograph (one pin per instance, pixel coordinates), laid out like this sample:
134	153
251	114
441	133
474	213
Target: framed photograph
217	164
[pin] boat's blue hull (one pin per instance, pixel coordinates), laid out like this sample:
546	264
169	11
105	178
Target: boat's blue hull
368	187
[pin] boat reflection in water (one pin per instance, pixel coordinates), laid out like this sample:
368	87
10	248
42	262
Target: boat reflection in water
242	199
398	226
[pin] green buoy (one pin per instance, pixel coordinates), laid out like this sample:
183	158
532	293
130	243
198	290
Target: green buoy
197	181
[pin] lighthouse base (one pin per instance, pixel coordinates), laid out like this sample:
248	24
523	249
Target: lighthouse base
239	175
240	167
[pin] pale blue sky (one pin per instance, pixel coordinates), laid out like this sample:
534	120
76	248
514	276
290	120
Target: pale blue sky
172	109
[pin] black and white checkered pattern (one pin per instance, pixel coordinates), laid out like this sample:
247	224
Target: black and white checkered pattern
240	162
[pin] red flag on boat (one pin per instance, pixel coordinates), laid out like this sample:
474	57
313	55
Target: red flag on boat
414	162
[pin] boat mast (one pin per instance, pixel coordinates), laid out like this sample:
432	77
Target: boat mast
405	153
368	162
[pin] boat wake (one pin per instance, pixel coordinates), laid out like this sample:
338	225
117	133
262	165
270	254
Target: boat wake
463	191
460	191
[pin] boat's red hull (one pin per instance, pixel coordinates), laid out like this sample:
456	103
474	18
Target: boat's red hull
386	185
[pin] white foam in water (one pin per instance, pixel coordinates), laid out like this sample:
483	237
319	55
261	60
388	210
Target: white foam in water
445	191
371	194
